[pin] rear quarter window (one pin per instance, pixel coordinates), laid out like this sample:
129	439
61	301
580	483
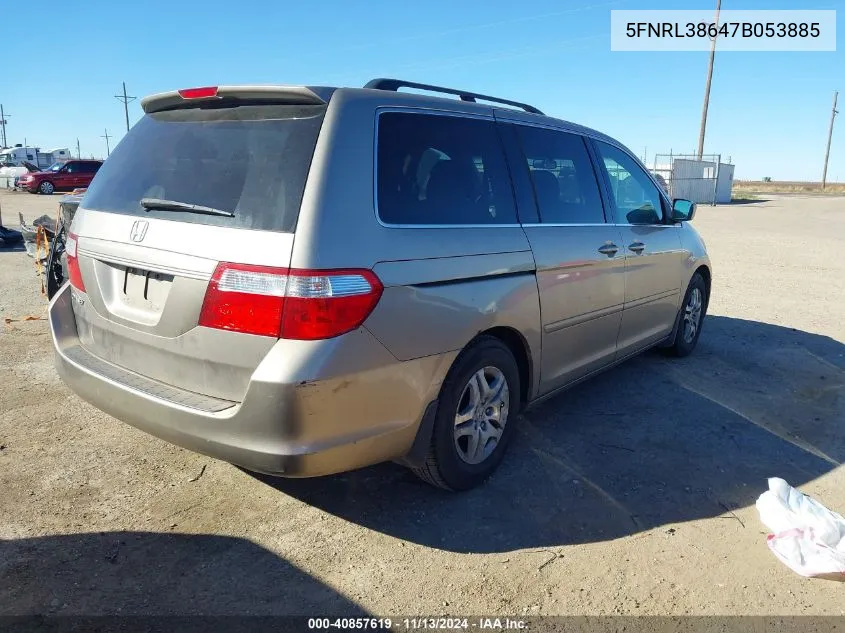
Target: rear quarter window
251	160
565	184
441	170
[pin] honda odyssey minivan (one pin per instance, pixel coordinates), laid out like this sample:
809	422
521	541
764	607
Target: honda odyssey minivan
308	280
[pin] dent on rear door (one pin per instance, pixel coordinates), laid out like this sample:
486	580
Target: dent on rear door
433	306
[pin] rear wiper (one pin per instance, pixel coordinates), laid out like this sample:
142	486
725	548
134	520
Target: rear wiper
174	205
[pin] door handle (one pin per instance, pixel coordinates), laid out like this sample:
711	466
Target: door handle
610	249
637	247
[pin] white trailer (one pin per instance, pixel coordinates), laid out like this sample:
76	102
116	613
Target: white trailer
15	156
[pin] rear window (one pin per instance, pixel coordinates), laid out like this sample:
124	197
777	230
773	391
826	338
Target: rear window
251	160
441	170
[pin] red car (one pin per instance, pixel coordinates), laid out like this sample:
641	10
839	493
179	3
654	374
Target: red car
67	176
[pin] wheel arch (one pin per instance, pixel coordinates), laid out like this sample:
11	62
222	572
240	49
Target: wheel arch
706	274
518	346
704	271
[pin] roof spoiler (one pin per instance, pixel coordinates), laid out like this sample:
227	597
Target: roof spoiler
294	95
465	95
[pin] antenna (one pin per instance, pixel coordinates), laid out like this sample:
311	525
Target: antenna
126	101
833	114
107	137
3	122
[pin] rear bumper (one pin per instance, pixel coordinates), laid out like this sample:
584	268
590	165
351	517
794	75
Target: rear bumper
353	406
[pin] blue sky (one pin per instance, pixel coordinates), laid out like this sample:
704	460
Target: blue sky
769	111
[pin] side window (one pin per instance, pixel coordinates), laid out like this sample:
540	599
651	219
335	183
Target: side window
434	169
563	177
637	198
90	168
74	168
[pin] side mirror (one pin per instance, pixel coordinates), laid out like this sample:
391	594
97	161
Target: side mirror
682	210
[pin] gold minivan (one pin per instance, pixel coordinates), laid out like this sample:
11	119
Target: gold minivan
307	280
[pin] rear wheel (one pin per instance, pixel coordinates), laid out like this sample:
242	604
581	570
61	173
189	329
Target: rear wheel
46	188
478	404
691	318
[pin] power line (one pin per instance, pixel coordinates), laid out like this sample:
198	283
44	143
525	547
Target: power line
833	114
3	122
107	137
126	101
707	85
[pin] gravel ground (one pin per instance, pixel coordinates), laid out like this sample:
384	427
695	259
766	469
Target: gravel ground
631	494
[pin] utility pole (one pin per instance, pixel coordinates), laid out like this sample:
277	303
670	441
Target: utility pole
833	114
78	153
107	137
707	85
3	116
126	101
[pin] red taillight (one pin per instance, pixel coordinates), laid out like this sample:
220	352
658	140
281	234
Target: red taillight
289	303
73	272
326	303
205	92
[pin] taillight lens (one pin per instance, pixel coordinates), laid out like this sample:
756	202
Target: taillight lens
73	272
289	303
322	304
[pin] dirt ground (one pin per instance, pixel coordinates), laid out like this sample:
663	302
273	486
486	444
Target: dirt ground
631	494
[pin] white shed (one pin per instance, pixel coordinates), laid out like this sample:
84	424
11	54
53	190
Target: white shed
702	181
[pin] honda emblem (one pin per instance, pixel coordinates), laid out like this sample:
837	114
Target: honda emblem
139	230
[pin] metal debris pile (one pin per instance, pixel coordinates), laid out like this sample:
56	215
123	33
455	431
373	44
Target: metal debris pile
44	241
37	240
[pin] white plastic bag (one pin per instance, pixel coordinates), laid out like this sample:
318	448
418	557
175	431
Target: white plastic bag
806	536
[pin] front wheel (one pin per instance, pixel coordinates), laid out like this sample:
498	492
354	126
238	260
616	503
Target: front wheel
46	188
691	317
478	403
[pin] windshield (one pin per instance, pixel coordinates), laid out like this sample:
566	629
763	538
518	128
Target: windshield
250	161
55	167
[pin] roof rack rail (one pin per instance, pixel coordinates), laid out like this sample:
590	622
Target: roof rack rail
395	84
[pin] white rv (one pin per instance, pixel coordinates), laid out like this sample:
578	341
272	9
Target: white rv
17	155
14	161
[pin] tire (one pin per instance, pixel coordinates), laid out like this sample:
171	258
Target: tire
685	340
46	188
461	463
